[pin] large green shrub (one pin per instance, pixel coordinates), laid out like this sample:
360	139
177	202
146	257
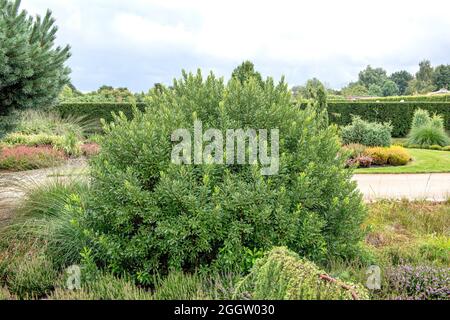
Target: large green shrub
148	215
32	70
283	275
367	133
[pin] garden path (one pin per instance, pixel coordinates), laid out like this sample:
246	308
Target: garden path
14	184
427	186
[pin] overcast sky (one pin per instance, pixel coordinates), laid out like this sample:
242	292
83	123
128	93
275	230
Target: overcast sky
136	43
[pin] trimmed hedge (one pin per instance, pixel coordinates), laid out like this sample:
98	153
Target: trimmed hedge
399	114
424	98
97	110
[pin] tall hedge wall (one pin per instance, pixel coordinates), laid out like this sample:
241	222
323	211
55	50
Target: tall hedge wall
96	110
398	113
424	98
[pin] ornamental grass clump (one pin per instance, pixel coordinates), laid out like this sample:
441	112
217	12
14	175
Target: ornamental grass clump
427	131
147	215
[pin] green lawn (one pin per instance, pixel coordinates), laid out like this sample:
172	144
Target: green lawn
424	161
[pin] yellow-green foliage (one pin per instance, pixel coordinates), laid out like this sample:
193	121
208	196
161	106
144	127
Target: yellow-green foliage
32	140
282	274
394	156
68	143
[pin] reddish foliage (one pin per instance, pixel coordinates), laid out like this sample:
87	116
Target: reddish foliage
25	158
90	149
360	161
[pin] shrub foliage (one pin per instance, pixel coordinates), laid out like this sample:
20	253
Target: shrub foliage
394	156
148	215
367	133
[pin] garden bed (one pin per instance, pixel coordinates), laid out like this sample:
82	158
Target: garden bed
424	161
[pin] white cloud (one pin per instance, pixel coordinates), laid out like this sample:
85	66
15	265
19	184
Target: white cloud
325	38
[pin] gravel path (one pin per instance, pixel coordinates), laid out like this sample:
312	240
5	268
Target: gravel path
14	184
428	186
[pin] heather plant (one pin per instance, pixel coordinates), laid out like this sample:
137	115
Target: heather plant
26	158
90	149
147	215
179	286
104	287
360	161
367	133
419	282
31	277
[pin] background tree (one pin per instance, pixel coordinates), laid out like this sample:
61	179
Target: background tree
424	79
401	79
32	70
355	89
116	94
245	71
425	73
314	87
298	91
441	77
375	90
389	88
372	76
